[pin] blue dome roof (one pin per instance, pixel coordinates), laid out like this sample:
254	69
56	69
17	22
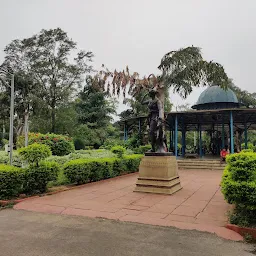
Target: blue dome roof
216	97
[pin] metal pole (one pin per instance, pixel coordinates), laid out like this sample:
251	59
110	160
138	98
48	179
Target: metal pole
11	119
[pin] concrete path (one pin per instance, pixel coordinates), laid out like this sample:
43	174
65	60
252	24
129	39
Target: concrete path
199	205
25	233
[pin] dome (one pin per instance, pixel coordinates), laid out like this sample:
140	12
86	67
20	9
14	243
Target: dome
214	97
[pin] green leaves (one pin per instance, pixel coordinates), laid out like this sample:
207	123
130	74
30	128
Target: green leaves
239	180
86	170
185	69
47	59
34	153
11	181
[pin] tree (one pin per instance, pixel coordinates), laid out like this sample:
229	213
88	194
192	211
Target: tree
94	111
248	99
181	70
46	59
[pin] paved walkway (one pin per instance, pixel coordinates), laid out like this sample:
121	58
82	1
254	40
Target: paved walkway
25	233
199	205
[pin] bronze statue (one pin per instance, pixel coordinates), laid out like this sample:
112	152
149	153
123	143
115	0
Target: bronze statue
155	122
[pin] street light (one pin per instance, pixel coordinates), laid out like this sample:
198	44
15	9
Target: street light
11	113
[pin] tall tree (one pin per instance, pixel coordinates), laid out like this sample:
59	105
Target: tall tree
47	59
248	99
181	70
94	110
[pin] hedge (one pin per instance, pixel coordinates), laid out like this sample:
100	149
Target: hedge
239	184
87	170
11	181
37	177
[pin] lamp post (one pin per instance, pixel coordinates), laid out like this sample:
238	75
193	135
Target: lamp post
10	146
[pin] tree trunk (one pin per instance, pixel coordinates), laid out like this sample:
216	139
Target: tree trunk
26	128
53	117
3	130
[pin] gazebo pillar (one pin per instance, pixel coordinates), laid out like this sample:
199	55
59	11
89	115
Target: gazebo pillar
176	136
183	140
231	133
200	141
245	136
223	135
171	139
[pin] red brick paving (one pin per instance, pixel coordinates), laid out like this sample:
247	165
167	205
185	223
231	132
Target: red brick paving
199	205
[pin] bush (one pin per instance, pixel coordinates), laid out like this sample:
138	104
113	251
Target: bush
142	149
118	150
86	170
11	181
239	182
5	159
37	177
249	146
109	143
132	163
34	153
79	144
60	145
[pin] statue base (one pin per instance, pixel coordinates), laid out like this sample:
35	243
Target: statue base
158	173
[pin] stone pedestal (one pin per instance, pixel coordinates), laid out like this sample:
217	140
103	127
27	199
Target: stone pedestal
158	173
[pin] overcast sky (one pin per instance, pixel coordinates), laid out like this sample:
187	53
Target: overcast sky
139	32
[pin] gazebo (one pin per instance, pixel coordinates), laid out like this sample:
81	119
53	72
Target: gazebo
216	111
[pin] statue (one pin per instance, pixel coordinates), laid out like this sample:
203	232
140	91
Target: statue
155	122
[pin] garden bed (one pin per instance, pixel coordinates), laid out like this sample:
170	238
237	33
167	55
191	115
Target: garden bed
243	231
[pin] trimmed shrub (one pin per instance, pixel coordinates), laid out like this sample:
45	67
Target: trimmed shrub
118	150
239	183
142	149
37	177
52	167
34	153
86	170
132	163
60	145
11	181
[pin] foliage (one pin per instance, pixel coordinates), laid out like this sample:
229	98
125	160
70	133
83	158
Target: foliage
82	154
60	145
86	170
142	149
243	217
109	143
118	150
239	183
132	163
4	159
37	177
46	59
94	115
79	143
34	153
248	99
250	146
11	181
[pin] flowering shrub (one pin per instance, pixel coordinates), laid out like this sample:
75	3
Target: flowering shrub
60	145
